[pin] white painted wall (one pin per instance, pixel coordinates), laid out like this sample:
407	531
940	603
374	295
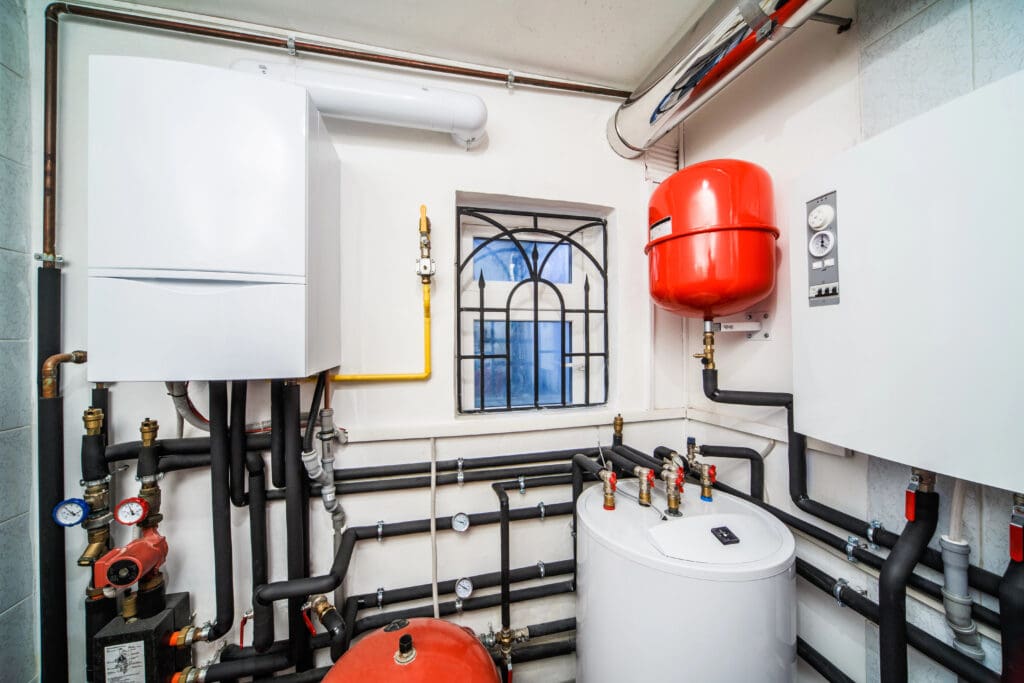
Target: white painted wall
541	146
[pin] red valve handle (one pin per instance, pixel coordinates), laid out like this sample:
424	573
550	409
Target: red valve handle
1016	542
910	507
650	478
309	623
613	481
679	481
713	474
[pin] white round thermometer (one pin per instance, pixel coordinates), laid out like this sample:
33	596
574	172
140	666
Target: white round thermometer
131	511
822	243
70	512
460	522
821	217
463	588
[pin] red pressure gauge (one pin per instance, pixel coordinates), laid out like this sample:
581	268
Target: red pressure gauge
131	511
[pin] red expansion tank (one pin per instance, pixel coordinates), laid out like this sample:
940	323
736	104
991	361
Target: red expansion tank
416	651
711	249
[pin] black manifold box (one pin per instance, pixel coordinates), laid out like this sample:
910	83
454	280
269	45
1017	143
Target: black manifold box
138	651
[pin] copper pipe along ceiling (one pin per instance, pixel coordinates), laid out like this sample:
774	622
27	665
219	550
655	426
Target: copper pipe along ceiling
55	10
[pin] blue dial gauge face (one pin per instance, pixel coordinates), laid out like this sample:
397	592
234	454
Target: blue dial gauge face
70	512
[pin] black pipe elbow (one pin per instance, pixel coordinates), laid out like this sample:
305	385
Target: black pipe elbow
747	398
94	459
892	587
1011	611
748	454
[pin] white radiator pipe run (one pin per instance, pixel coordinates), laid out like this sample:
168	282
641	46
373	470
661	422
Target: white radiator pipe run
390	103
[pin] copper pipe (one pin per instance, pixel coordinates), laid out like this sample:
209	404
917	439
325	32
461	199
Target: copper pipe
50	366
56	9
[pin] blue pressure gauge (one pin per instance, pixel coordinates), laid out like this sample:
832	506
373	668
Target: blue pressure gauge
70	512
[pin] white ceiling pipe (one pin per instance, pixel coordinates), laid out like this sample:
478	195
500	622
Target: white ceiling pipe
390	103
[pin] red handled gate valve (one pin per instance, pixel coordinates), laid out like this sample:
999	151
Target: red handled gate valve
124	566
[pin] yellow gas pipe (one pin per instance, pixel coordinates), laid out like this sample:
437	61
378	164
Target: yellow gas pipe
425	269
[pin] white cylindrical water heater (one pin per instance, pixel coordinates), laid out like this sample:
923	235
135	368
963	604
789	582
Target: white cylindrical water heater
712	592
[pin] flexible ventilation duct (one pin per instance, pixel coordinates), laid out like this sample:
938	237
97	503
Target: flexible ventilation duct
730	36
390	103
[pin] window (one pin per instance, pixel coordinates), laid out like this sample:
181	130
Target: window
532	301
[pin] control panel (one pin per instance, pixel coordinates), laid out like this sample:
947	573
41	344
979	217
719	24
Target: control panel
822	251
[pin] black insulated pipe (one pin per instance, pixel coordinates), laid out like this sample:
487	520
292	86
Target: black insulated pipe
892	586
263	615
314	410
94	462
277	433
101	401
221	510
238	399
748	454
923	642
295	512
817	661
1011	607
197	445
249	666
53	617
513	460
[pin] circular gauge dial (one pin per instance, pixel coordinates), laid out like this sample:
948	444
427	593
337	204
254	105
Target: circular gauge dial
463	588
821	217
70	512
821	244
460	522
131	511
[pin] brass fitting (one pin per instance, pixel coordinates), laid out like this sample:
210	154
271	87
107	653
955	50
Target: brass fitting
50	366
92	418
129	606
148	429
645	475
708	476
97	496
320	606
151	581
610	484
707	357
183	638
150	492
99	540
673	478
617	424
925	480
425	266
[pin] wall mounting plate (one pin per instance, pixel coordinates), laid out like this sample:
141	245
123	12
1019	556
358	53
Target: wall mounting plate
755	325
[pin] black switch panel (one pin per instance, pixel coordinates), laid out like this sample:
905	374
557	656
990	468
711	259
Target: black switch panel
725	536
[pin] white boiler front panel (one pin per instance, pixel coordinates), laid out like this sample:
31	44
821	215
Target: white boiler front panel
920	361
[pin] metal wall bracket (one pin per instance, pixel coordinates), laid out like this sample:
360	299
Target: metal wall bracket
522	485
380	530
510	82
291	46
842	24
872	530
852	543
55	259
460	476
540	568
756	325
380	597
540	506
458	605
837	591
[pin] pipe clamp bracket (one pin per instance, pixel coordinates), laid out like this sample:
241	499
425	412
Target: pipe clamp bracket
540	506
460	476
522	485
872	530
380	530
380	597
291	46
837	591
852	544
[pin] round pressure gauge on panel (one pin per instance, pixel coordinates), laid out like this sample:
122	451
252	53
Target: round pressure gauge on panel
822	243
463	588
131	511
460	522
70	512
821	217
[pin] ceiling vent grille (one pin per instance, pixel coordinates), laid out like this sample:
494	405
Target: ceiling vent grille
662	159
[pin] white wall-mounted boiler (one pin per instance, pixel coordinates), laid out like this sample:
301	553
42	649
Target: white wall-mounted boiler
908	321
214	217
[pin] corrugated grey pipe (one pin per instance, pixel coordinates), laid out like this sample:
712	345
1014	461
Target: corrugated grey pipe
956	597
729	37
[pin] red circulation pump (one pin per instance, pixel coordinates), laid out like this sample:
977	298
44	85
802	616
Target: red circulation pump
711	248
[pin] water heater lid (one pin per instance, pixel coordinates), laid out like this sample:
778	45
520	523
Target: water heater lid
717	538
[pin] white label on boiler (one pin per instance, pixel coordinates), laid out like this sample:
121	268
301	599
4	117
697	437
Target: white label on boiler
125	662
661	228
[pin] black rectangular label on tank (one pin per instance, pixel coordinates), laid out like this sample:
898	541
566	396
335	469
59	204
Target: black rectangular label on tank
725	536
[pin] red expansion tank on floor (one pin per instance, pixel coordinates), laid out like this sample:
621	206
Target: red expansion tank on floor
416	651
711	249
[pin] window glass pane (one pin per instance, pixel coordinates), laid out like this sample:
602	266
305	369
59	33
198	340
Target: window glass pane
553	371
502	261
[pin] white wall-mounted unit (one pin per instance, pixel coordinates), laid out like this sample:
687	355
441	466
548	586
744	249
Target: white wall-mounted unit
214	210
907	317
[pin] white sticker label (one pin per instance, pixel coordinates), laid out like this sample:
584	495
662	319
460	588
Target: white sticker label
661	228
125	662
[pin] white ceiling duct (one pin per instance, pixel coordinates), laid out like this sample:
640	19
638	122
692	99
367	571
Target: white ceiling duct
390	103
729	37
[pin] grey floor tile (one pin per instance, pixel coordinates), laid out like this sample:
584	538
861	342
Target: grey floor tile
879	17
16	570
14	116
17	626
14	302
14	203
998	48
13	37
920	65
16	380
15	472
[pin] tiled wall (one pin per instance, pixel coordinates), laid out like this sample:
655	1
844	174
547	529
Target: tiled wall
916	55
17	590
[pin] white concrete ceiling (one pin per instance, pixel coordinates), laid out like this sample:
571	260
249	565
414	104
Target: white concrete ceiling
607	42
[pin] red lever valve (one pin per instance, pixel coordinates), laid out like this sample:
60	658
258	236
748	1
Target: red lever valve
713	473
911	505
1017	537
650	478
679	481
613	481
124	566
